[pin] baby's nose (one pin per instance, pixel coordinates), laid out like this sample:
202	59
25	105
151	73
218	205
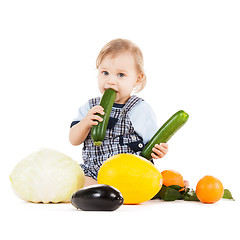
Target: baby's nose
112	81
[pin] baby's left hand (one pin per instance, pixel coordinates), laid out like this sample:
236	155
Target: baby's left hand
159	150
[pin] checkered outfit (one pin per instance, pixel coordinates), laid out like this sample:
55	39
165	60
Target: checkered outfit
120	138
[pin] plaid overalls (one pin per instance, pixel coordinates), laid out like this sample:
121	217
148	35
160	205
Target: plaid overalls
120	138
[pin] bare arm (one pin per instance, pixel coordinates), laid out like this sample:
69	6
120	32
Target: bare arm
79	132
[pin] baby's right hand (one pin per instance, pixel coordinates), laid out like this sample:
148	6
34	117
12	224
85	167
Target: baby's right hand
92	118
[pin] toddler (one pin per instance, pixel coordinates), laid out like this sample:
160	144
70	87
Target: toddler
132	122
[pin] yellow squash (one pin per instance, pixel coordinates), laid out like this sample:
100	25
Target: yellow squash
135	177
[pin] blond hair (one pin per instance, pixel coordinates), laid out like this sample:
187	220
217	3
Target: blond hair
117	46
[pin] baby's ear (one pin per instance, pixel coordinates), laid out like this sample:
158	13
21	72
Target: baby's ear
139	85
139	79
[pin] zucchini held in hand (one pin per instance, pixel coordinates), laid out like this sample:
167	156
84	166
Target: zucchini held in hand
99	131
167	130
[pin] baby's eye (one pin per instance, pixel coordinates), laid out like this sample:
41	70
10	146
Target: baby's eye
105	73
121	75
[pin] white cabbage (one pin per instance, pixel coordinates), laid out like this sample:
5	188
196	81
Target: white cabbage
47	176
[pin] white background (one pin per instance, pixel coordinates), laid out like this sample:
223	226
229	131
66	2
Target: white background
192	61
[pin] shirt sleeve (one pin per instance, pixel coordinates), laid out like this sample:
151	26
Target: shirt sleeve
82	112
144	121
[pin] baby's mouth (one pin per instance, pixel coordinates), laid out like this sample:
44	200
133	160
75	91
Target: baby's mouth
111	88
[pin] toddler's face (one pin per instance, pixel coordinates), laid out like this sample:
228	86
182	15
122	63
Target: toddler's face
119	73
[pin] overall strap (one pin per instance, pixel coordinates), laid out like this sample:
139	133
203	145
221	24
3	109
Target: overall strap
133	100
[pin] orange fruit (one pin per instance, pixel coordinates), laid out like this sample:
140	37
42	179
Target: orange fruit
135	177
171	177
209	189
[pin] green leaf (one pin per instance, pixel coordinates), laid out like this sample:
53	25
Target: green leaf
169	194
176	187
183	192
227	194
175	192
190	196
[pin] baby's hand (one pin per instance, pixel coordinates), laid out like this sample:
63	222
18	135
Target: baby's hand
92	118
159	150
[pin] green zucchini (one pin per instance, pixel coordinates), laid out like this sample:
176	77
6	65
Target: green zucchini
98	131
167	130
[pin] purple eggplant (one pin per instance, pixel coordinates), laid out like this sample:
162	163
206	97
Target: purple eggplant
99	197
